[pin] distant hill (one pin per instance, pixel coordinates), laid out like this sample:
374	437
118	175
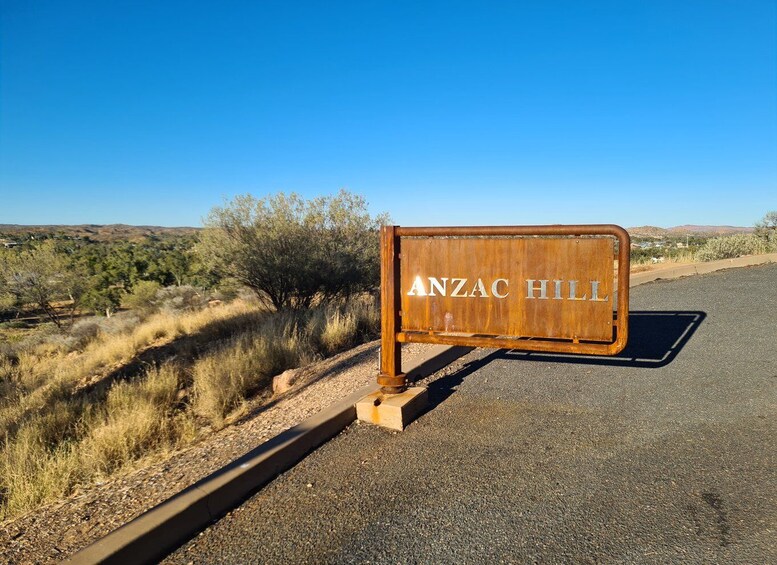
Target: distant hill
653	231
95	232
717	230
113	232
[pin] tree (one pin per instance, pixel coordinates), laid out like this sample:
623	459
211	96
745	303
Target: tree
40	276
101	297
290	250
767	227
142	297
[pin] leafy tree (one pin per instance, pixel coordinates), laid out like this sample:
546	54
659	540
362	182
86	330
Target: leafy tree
290	250
8	302
767	228
101	296
40	276
122	264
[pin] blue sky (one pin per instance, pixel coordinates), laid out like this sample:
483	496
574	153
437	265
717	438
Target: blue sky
651	112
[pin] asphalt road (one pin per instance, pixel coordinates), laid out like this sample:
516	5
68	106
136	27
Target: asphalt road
667	453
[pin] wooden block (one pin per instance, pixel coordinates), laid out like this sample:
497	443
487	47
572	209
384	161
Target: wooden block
393	411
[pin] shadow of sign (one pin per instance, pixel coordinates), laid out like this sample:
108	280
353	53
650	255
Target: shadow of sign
655	339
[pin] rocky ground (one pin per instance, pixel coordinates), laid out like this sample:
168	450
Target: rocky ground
62	528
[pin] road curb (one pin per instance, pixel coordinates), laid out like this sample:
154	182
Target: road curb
153	534
700	268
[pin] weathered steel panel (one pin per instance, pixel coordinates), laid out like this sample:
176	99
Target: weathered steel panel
534	288
531	287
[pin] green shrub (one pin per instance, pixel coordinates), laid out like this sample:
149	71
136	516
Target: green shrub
142	297
731	246
293	252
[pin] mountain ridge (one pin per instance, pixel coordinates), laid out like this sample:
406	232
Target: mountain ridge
96	232
107	232
687	229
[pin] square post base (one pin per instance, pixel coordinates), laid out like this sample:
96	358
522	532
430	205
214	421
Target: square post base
393	411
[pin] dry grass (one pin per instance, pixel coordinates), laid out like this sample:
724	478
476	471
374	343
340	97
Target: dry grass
245	365
681	257
137	418
76	408
239	369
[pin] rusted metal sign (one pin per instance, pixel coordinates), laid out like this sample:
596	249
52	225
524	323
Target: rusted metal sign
536	288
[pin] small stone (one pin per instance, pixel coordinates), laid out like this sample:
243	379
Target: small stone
283	382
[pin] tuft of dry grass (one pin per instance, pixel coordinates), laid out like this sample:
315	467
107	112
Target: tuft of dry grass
339	332
33	472
240	368
245	364
138	418
345	326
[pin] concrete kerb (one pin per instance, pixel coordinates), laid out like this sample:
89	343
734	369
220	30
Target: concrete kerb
155	533
675	272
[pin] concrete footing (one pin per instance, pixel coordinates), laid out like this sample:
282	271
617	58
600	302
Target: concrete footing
393	411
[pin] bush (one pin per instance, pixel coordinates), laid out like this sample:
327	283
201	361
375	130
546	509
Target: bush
180	299
731	246
7	352
148	297
142	297
767	228
291	251
83	332
120	323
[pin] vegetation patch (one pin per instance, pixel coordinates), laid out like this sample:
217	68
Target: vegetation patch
70	415
188	329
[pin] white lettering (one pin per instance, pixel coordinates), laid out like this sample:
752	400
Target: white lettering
435	284
418	288
495	288
479	288
573	292
543	288
595	293
500	288
457	289
557	288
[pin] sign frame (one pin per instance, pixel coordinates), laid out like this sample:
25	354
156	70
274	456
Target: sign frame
391	378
